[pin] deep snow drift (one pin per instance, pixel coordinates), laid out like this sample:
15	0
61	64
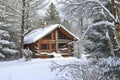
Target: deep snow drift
35	69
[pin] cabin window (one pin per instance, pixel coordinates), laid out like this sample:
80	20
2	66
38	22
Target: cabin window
62	45
47	37
62	36
44	46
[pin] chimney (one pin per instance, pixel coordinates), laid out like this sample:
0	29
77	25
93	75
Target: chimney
45	24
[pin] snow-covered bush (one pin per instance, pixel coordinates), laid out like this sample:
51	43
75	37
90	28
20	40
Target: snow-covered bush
104	69
110	67
78	48
27	54
76	71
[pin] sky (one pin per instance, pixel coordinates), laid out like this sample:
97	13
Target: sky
54	1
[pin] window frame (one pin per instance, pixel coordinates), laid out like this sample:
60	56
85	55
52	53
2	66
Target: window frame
45	46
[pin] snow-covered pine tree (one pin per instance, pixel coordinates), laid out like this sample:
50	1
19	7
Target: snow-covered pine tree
52	15
8	48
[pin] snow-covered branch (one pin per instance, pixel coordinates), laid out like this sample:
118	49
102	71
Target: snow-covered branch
7	5
96	24
103	7
117	2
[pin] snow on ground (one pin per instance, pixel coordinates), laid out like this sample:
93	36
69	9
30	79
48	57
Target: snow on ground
35	69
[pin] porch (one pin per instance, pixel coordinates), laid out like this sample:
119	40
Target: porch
61	47
52	55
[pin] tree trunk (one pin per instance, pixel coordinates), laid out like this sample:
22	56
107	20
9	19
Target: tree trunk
117	32
113	8
116	22
22	29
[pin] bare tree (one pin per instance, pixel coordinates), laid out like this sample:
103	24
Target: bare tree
78	71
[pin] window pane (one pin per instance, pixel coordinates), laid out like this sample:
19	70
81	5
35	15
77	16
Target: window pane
62	36
44	46
48	36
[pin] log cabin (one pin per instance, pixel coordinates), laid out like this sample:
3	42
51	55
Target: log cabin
52	38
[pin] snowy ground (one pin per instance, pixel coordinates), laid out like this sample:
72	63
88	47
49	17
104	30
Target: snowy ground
35	69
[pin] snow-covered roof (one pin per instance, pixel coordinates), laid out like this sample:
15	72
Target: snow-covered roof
37	34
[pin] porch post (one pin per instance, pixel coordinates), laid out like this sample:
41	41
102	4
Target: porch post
56	40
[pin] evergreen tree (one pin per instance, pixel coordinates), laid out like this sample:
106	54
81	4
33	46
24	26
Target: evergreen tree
52	15
8	48
66	24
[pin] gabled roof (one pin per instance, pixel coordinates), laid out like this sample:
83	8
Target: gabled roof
37	34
